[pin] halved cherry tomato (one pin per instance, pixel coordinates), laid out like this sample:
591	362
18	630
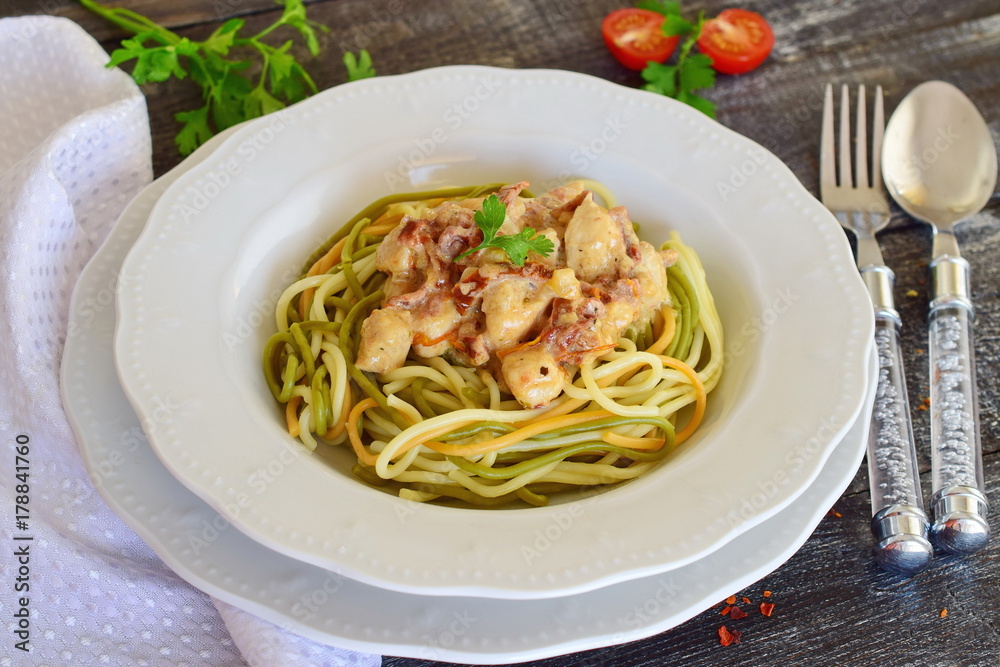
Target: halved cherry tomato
736	40
635	37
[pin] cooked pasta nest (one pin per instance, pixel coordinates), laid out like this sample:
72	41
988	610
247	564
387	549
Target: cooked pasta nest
434	431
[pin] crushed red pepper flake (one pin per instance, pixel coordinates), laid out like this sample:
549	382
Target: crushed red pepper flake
725	612
746	600
727	636
767	594
944	612
736	613
766	608
731	599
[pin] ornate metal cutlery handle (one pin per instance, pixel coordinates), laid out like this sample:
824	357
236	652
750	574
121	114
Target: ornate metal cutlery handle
899	522
958	503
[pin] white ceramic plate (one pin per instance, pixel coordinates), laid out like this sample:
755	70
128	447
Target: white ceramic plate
202	547
226	238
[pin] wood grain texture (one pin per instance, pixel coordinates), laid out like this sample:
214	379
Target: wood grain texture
833	605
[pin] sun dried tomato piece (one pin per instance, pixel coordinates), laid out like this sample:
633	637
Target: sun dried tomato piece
727	636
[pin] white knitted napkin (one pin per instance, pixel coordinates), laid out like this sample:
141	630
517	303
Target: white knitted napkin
74	149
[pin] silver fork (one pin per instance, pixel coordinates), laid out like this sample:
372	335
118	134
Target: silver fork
899	522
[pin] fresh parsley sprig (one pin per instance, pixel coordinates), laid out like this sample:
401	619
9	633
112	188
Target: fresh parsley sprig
359	66
231	96
692	71
490	218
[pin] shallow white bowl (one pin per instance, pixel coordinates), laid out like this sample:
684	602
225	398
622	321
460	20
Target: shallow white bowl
197	291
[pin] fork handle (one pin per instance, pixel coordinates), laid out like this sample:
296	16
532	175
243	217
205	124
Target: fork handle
899	523
958	503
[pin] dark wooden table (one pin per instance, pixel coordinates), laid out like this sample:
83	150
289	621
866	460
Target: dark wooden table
833	606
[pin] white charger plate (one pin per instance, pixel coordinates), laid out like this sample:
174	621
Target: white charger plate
204	549
224	240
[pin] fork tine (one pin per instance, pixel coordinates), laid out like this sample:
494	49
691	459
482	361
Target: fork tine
878	128
861	141
827	161
845	139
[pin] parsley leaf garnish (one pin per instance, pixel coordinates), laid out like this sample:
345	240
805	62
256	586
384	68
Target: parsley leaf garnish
691	72
665	7
230	96
359	66
490	218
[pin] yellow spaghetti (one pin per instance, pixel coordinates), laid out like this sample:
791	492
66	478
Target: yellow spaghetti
435	427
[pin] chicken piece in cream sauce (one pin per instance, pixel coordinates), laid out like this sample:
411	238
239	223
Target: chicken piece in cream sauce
528	325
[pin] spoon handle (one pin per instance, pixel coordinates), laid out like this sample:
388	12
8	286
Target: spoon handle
958	503
899	523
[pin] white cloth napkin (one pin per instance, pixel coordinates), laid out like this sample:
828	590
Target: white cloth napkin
74	149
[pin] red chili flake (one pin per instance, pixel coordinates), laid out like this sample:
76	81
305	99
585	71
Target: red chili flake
736	614
766	608
767	594
731	599
944	612
725	612
727	636
746	600
837	514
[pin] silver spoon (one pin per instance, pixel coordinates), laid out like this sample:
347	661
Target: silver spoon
940	165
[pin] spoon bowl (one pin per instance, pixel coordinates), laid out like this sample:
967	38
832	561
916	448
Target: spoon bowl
938	159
